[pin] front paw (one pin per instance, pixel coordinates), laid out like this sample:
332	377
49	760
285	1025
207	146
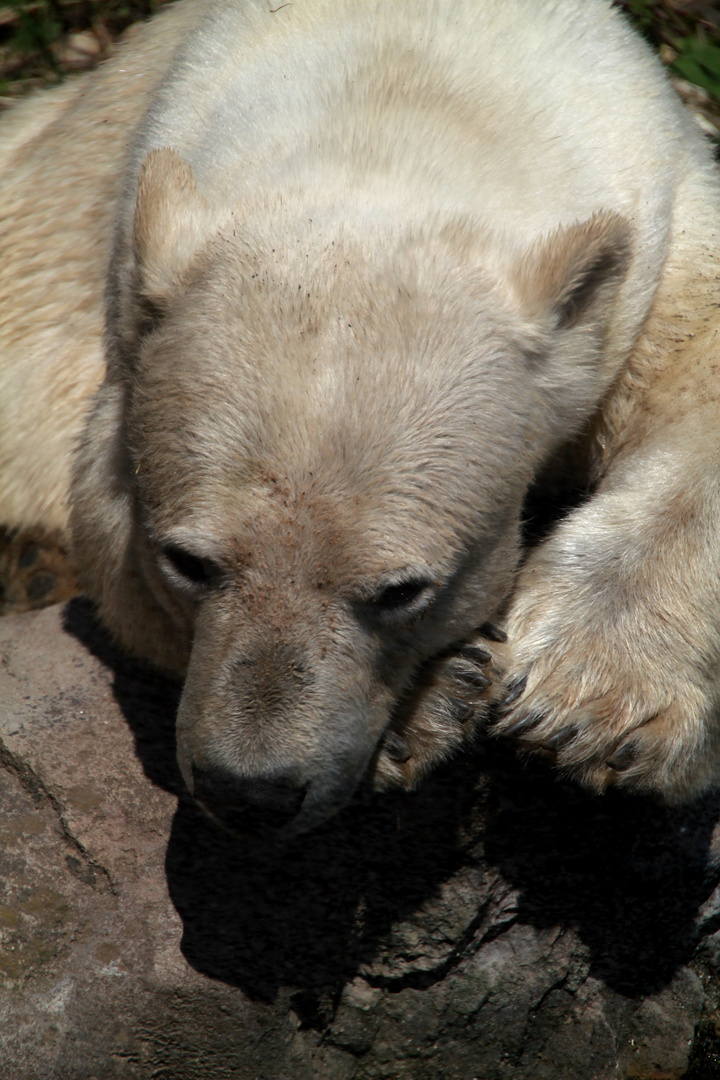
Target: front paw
607	689
450	703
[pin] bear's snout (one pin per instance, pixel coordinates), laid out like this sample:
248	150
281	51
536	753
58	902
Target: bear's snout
246	805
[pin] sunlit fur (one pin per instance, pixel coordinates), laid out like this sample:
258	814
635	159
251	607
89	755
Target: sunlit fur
371	266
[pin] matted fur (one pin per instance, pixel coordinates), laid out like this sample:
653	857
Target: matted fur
372	267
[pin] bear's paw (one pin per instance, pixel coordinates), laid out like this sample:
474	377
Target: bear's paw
447	708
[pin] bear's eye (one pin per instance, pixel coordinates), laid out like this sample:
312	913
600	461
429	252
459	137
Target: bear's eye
401	596
193	568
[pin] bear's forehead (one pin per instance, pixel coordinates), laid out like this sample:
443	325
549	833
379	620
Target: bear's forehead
335	464
424	460
369	371
350	289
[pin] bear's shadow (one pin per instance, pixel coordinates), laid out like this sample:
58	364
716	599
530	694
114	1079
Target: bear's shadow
627	874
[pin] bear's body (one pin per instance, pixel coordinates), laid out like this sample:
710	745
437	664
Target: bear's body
374	268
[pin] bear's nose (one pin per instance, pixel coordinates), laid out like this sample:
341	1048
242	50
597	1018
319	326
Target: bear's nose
248	805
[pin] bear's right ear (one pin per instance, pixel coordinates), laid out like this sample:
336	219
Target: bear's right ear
570	279
173	222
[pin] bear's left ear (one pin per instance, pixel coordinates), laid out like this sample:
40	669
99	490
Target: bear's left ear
570	278
173	223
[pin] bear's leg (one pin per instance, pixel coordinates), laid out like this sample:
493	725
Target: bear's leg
614	628
612	663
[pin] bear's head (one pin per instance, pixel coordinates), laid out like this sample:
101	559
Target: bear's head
302	478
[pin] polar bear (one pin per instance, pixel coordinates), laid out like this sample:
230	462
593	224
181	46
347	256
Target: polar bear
376	271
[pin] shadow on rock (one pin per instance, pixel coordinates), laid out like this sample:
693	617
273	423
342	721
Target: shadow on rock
148	700
626	874
310	914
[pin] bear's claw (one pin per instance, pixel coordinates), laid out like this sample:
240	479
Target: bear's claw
396	748
474	653
462	684
515	690
624	757
462	710
525	724
475	679
561	738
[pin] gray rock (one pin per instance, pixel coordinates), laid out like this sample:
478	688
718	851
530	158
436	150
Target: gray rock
497	924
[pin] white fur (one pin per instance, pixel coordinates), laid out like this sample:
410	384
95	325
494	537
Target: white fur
372	266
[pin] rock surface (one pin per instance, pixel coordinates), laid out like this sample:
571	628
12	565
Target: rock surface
498	924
